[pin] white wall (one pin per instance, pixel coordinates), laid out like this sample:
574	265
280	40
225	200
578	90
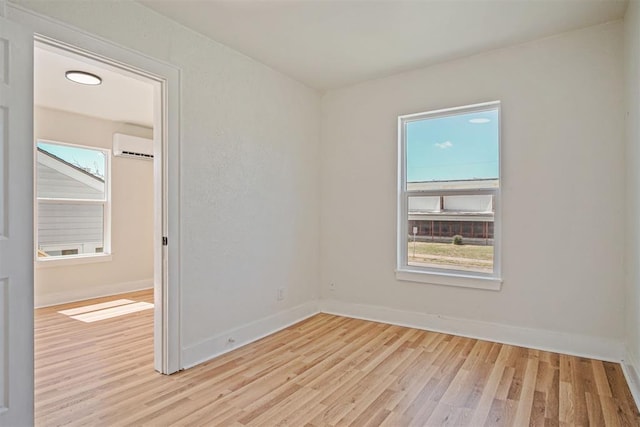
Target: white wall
249	182
131	267
563	194
632	137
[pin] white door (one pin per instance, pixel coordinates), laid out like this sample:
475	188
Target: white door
16	225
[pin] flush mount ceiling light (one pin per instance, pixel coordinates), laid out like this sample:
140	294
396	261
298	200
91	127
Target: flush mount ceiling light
83	77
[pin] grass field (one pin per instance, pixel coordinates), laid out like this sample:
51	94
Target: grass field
468	257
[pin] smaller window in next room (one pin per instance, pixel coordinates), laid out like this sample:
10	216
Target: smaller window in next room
72	190
449	196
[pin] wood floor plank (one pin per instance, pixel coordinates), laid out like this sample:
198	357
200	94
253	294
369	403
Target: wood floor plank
482	408
525	402
325	370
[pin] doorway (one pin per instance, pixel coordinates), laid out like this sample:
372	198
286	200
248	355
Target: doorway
94	195
94	178
117	144
18	28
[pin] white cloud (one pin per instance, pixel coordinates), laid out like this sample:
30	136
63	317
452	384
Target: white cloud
444	145
479	120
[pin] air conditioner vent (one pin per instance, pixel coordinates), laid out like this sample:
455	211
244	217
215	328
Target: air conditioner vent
134	154
132	146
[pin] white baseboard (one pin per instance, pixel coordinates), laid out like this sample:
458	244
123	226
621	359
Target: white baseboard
55	298
559	342
630	368
220	344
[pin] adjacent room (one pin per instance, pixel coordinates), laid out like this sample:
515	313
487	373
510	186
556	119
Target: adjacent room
374	213
95	207
94	210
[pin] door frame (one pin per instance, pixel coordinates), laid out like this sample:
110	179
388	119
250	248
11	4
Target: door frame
16	226
167	343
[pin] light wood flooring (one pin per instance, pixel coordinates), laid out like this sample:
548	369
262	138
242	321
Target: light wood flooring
324	371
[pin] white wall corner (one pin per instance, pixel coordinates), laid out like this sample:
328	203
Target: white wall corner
630	368
246	334
43	299
559	342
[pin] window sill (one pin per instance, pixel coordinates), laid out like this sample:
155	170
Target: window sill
76	260
453	279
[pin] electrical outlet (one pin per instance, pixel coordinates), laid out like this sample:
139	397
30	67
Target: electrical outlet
280	294
332	287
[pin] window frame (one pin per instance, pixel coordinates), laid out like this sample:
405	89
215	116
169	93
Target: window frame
56	260
446	276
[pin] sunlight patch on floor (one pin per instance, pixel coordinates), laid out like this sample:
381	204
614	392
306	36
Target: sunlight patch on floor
94	307
106	310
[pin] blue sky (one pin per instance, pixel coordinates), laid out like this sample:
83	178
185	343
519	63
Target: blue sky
91	160
462	146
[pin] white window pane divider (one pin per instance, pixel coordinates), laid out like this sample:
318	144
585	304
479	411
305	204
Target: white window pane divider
72	201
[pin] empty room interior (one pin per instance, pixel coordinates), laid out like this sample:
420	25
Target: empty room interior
341	213
80	187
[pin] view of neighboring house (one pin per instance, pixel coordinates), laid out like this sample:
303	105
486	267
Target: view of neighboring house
67	224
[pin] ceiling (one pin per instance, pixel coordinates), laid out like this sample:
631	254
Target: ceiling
327	44
120	97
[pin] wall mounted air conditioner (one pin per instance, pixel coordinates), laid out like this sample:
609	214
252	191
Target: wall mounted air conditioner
132	146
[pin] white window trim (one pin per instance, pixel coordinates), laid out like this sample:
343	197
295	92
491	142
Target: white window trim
432	275
104	256
57	261
77	246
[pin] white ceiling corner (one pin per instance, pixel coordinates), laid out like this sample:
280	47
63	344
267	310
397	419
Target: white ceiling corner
328	44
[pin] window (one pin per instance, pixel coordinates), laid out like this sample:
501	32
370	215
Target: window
448	201
73	208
